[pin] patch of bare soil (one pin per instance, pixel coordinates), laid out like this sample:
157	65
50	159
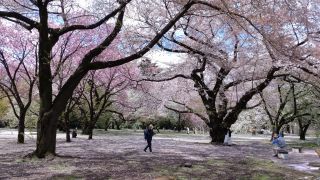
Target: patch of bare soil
121	156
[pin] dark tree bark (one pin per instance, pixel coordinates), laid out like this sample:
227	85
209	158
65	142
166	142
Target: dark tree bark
302	134
86	123
118	125
217	134
90	131
303	128
107	125
67	126
21	127
68	139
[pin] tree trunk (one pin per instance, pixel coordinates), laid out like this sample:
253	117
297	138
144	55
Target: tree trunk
107	126
46	137
303	128
85	128
303	132
89	129
89	126
118	126
288	129
90	132
21	127
67	128
302	135
277	129
217	134
68	139
47	123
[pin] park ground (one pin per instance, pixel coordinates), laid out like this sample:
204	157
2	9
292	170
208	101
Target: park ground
120	155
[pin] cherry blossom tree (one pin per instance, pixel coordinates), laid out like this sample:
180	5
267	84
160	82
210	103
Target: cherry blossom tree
44	18
211	76
236	42
104	89
18	78
284	107
309	103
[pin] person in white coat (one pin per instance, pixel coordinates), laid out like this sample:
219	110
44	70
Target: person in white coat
227	138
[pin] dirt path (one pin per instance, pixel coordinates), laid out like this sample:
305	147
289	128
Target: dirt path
121	156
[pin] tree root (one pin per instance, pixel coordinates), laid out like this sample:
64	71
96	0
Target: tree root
34	155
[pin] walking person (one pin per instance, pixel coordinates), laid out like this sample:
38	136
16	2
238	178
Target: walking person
148	133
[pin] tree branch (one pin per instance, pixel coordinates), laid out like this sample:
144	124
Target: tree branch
154	41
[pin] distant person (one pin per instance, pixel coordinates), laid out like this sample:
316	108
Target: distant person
281	134
188	130
148	133
74	133
254	131
227	137
278	143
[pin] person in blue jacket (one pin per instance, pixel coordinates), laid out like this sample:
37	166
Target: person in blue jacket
278	143
148	133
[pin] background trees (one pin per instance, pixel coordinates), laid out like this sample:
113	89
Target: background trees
103	90
291	101
18	76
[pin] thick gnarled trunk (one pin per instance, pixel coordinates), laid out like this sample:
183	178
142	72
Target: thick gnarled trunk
47	123
217	134
46	137
50	113
217	130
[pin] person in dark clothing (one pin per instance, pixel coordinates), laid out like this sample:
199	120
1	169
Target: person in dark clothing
148	133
